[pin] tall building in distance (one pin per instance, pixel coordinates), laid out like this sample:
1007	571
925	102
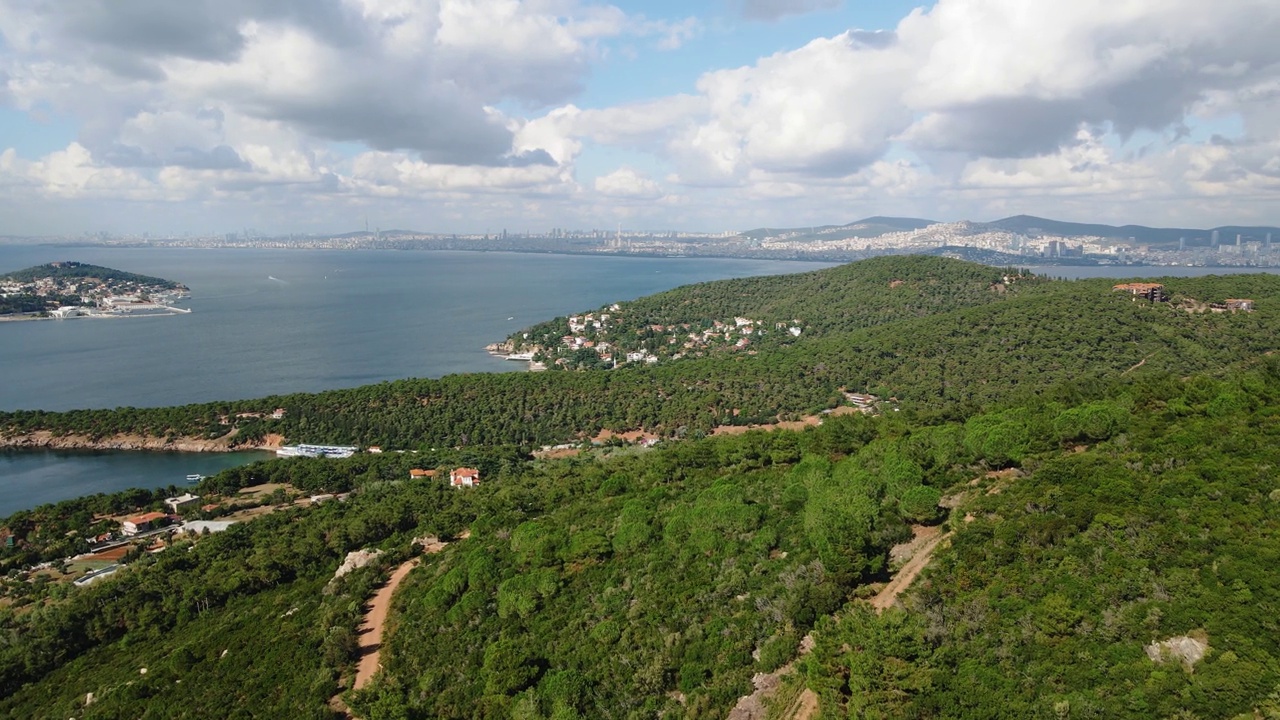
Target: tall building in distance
1214	238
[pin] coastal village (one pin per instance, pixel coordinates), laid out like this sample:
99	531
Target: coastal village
610	338
62	290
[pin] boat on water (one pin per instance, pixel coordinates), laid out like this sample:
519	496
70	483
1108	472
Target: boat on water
525	356
194	478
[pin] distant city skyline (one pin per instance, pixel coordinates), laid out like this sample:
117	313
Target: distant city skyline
204	117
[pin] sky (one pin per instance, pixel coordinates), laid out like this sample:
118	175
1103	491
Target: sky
212	116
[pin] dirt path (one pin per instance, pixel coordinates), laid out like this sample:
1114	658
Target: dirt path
925	544
1135	367
805	707
374	620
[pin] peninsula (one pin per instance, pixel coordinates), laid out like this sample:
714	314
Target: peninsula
62	290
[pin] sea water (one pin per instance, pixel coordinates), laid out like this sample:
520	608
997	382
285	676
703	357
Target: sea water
275	321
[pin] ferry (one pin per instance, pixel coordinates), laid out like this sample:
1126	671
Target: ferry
194	478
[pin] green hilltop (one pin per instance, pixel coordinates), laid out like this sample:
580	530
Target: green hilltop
72	269
1095	470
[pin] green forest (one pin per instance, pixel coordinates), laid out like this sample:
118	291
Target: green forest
1103	470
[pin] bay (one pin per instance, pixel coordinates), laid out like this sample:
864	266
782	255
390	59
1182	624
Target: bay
277	321
35	477
267	321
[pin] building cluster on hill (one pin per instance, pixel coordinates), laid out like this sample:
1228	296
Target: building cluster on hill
64	296
611	339
1155	292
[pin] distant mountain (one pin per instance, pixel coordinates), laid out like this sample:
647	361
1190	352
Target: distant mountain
895	224
1031	225
761	233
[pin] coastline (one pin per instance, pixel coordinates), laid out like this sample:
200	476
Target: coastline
168	311
46	440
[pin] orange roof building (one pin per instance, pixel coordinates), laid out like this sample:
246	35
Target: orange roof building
464	477
141	523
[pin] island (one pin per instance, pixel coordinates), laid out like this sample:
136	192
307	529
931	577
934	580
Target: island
60	290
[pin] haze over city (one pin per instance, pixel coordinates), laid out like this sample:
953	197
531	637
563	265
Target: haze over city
464	116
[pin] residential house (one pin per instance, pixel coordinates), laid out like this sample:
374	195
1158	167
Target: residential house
464	477
1239	304
417	474
143	523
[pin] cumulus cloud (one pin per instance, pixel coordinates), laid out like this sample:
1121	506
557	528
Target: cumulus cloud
626	183
828	108
972	104
994	80
979	79
770	10
418	76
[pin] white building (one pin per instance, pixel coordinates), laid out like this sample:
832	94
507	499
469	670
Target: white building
176	503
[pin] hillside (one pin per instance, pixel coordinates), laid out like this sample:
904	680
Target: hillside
657	583
1155	520
769	311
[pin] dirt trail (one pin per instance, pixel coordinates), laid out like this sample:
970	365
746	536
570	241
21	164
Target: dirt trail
925	544
374	620
805	706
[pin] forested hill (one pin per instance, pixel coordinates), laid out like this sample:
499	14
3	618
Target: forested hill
840	299
931	353
71	269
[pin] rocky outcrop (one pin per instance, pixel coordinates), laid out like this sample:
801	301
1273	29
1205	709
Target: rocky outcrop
1189	649
355	560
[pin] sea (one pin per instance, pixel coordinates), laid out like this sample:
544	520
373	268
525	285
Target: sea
276	321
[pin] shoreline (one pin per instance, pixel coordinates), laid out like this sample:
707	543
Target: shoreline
24	317
46	440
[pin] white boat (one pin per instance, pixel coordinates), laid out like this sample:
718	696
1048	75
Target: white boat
194	478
